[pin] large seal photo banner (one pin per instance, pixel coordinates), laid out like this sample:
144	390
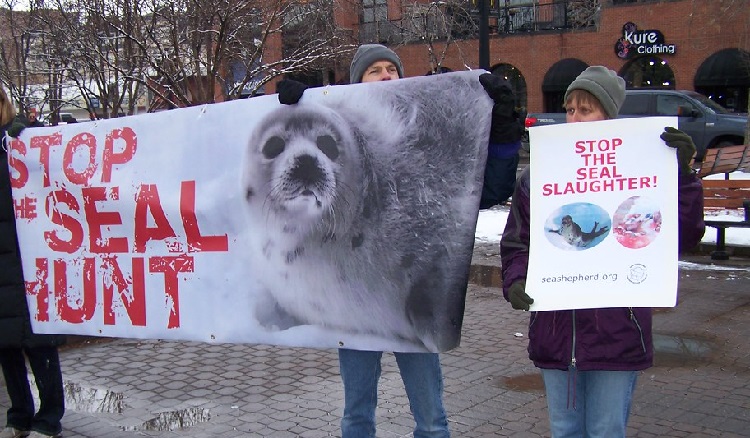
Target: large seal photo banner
346	220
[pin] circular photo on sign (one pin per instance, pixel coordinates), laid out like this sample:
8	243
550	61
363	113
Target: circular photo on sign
577	226
637	222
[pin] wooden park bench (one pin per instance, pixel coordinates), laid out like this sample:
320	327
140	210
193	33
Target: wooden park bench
725	193
724	160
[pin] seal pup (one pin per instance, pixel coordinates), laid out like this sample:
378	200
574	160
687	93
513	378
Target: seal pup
574	235
363	215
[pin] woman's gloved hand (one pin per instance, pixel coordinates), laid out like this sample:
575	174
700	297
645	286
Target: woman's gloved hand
517	296
677	139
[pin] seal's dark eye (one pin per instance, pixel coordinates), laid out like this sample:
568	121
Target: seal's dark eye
274	147
327	145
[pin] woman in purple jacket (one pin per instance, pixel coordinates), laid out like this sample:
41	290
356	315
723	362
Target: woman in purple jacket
590	358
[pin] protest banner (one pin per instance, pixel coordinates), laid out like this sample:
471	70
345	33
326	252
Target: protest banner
603	215
346	220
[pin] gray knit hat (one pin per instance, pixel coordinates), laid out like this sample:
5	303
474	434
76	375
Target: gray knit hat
604	84
366	55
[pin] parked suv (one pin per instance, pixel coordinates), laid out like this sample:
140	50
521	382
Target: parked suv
709	124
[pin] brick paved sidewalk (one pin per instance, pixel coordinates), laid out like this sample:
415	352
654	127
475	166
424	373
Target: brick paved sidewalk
700	386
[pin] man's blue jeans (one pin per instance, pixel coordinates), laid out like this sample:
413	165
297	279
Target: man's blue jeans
589	404
423	381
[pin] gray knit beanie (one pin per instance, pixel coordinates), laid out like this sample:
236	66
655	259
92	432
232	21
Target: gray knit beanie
366	55
604	84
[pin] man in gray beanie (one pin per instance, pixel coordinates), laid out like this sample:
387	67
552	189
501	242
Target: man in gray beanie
360	370
608	348
368	57
371	62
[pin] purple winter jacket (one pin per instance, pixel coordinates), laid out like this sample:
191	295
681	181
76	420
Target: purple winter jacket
612	339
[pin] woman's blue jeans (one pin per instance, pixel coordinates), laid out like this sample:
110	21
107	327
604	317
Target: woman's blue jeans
589	404
423	381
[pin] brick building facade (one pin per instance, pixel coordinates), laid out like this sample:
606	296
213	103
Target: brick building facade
710	42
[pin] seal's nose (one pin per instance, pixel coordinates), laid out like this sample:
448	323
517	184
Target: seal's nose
306	170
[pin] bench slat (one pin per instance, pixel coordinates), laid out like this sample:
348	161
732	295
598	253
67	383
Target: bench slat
725	193
726	184
727	153
725	160
720	196
728	202
723	203
723	168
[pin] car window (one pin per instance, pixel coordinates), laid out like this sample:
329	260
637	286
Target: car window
715	107
635	104
668	105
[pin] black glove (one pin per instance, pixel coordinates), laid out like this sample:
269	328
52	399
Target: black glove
15	129
517	296
677	139
290	91
505	127
498	89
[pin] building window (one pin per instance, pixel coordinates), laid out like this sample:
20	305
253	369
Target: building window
648	72
374	25
374	11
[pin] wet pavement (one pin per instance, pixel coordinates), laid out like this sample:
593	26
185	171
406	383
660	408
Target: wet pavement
699	386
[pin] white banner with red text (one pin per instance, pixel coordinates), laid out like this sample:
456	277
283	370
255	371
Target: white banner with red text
346	220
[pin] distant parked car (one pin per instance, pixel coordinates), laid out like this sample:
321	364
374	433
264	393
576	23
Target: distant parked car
709	124
67	118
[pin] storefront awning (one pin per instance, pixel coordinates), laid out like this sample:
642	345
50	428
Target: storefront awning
561	74
725	68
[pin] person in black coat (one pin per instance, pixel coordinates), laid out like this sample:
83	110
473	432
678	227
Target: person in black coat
17	341
504	142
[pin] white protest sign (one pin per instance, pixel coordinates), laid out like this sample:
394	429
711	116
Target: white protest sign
603	215
345	220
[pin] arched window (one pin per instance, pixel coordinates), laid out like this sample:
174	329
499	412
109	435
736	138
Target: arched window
725	78
648	72
556	82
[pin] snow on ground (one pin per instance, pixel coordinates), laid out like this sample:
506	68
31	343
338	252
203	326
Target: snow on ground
491	222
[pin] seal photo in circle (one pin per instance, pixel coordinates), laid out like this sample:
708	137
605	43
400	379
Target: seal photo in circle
577	226
357	224
637	222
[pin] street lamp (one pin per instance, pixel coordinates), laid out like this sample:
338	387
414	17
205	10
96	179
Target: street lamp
484	35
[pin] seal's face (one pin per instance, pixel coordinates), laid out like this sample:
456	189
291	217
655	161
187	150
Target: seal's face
302	164
301	172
